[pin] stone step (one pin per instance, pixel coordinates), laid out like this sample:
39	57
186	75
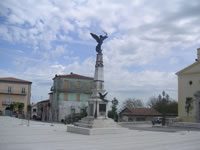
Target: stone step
96	123
85	125
86	120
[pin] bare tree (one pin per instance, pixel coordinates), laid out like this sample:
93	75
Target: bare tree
132	103
152	101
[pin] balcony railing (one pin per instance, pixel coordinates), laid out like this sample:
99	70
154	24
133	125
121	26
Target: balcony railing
12	92
6	103
74	90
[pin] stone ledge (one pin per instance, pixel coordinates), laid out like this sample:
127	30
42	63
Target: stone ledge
186	125
96	131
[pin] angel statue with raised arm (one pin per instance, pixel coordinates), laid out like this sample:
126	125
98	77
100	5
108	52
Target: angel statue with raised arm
99	40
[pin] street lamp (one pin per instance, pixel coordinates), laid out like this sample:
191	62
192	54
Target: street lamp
164	98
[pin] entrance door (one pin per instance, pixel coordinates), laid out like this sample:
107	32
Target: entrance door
102	109
7	111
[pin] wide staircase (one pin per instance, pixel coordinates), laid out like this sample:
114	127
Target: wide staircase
88	122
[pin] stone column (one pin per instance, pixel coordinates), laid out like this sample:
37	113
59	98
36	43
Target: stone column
98	85
98	77
198	54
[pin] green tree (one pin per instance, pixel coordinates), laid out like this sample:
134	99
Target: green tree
83	112
15	106
113	112
170	105
20	107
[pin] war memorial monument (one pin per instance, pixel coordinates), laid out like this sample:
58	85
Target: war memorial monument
97	121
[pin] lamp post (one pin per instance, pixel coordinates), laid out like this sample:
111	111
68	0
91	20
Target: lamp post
164	98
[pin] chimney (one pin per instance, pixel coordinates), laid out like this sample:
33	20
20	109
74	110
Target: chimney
198	54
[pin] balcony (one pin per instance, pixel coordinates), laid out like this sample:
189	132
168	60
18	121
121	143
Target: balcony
6	103
13	92
74	90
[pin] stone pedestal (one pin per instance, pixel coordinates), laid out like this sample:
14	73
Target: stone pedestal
97	121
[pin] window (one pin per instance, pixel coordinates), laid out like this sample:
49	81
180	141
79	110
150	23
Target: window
73	111
78	84
140	119
190	82
8	101
9	89
91	85
34	110
22	100
65	84
78	97
65	96
189	104
23	90
82	111
102	107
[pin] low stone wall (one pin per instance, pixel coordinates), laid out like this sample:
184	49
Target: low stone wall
135	122
186	125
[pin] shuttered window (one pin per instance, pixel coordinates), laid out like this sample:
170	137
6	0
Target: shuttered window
65	96
78	97
66	84
78	84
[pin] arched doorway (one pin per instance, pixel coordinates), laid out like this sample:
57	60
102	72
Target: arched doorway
7	111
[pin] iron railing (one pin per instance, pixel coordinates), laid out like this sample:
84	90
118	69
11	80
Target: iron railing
12	92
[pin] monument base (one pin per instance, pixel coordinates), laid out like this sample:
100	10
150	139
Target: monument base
100	122
95	131
96	126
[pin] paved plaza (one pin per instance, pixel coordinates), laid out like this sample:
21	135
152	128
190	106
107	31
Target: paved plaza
16	135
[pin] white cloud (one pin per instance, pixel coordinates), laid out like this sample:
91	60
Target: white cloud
140	32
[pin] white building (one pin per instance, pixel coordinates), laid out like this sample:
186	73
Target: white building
70	94
189	89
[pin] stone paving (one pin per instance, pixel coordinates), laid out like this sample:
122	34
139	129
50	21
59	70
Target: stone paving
16	135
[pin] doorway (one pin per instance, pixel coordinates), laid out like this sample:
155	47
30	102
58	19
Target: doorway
7	111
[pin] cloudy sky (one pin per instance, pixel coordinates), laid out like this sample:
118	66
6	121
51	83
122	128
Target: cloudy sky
149	41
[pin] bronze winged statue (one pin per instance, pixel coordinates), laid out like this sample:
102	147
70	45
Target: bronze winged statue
99	40
102	96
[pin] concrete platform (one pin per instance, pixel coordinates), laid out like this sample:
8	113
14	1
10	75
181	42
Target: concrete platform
96	131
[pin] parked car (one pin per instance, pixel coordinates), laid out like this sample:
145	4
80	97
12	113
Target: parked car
157	120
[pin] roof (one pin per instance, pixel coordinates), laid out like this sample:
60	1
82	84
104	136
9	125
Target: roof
44	101
73	76
11	79
33	104
141	111
187	68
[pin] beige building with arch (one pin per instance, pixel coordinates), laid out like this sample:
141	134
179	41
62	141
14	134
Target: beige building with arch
189	88
14	90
